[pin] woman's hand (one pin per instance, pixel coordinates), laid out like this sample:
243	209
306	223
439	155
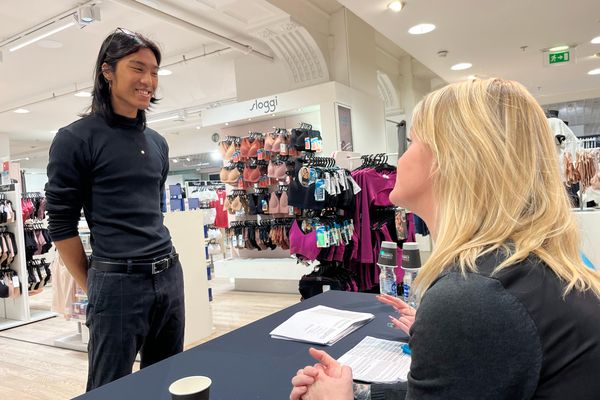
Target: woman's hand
327	379
407	317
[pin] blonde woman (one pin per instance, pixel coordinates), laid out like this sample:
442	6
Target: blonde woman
508	310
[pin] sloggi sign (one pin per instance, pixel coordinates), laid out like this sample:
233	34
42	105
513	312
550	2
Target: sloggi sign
266	106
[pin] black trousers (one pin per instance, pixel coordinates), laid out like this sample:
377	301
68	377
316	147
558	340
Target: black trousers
131	313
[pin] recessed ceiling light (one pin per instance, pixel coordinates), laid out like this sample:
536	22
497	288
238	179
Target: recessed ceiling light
595	40
395	6
198	127
558	48
272	115
83	93
175	160
421	29
594	72
188	159
226	123
461	66
21	111
164	72
249	119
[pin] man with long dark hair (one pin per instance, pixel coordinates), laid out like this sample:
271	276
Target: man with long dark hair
114	167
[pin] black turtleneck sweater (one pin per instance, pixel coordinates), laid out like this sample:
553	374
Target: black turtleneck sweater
117	175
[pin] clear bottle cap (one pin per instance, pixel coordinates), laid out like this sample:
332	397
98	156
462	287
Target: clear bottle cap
410	246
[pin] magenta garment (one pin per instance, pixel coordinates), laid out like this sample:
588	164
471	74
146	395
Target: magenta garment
303	244
376	188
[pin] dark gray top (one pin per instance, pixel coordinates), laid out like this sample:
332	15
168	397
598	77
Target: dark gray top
509	336
117	174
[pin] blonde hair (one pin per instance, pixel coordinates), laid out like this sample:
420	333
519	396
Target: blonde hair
497	183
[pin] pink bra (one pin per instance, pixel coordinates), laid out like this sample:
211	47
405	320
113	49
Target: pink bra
278	205
277	171
304	245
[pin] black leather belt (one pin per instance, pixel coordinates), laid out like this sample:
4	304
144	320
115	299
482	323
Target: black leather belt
134	267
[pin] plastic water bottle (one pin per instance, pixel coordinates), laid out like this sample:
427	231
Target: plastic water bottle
411	262
387	263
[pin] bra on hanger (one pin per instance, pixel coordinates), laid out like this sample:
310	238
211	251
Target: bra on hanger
278	204
245	148
277	171
269	140
252	174
254	147
230	176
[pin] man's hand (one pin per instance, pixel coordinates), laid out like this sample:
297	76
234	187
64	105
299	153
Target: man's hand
72	254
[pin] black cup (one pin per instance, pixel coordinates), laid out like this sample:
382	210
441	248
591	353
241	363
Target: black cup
191	388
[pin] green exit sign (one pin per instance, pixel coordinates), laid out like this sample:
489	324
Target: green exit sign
559	57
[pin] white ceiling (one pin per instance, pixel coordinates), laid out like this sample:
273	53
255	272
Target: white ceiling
489	34
35	73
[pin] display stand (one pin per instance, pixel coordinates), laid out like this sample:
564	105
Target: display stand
187	232
17	312
192	254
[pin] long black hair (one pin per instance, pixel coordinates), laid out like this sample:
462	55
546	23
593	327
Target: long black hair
117	45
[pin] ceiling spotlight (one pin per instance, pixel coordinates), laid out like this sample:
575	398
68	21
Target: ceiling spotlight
21	111
175	160
164	72
198	127
395	6
461	66
83	93
594	72
595	40
188	159
558	48
421	29
226	123
88	14
249	119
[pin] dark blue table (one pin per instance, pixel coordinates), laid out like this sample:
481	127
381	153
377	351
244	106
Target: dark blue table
247	363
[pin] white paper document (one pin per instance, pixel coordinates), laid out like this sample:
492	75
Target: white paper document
321	325
377	360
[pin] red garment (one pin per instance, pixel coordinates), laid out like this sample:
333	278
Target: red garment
222	220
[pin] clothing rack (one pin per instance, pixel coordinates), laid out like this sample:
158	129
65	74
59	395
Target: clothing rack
360	157
16	312
32	195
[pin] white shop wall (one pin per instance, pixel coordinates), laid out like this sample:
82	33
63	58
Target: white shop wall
288	122
367	114
35	180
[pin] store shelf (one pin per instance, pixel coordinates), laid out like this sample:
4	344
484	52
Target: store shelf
38	315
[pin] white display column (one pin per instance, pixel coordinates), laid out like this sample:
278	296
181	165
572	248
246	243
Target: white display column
187	232
589	230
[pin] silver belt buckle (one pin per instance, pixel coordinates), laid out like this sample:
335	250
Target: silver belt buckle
160	266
